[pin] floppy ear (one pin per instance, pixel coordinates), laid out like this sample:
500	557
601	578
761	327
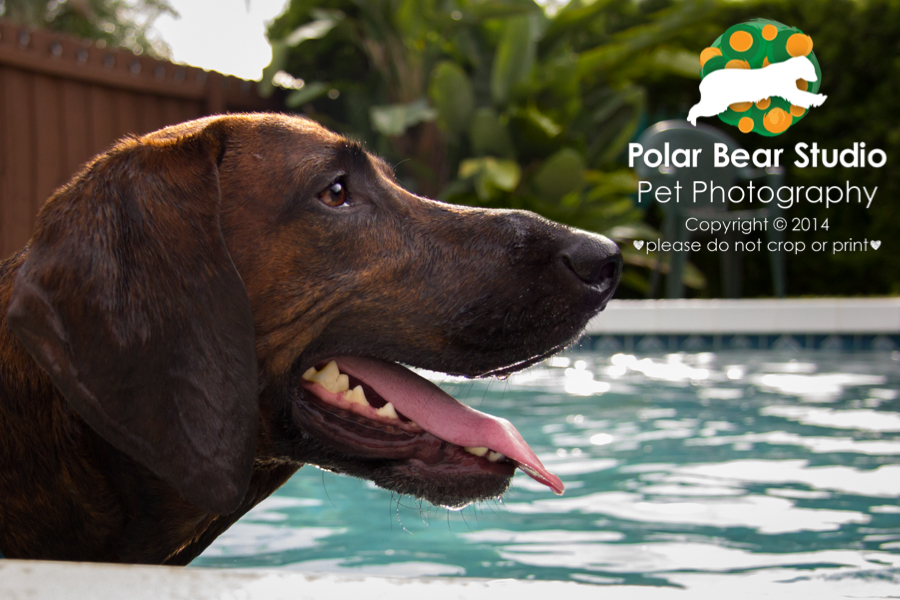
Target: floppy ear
129	300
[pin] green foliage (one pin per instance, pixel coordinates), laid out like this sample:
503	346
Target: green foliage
562	173
513	58
122	23
494	102
451	93
394	119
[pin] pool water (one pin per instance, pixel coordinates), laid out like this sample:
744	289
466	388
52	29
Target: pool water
681	470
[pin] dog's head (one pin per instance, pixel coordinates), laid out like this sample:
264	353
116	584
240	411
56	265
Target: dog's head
245	288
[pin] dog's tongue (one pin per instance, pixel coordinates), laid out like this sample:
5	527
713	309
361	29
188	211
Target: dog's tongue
445	417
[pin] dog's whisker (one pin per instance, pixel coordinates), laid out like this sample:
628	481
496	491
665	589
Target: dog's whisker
487	388
463	516
325	489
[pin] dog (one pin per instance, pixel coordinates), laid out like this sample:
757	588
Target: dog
725	87
205	309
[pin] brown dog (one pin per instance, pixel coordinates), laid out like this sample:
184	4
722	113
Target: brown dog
165	337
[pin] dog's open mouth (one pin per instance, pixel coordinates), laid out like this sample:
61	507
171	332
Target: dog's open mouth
382	410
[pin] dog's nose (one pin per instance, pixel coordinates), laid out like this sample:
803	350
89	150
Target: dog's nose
595	260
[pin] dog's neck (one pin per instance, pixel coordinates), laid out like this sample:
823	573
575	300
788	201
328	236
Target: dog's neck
31	407
89	515
23	385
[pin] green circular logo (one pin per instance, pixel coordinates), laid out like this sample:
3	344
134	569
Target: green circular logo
755	45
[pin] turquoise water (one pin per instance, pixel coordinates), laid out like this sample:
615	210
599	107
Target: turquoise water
681	470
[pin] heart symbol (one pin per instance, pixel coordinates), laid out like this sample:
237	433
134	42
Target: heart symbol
640	244
876	244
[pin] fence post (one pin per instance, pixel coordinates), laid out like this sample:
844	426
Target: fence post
215	93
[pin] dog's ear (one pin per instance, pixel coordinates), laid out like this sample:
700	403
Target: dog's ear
129	300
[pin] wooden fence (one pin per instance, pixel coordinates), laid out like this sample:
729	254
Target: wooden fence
63	100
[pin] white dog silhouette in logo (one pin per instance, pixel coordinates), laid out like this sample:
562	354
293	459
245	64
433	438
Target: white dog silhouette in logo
724	87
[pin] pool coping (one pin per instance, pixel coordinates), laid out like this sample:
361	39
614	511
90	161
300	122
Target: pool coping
48	580
790	325
813	316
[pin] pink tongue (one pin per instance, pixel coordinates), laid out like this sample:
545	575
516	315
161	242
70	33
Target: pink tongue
445	417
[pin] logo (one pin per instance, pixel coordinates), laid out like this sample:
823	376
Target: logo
759	76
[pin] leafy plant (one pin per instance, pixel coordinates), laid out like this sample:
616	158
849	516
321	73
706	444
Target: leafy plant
116	22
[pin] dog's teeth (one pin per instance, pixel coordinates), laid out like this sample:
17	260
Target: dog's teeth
330	378
387	411
339	384
484	452
331	370
356	396
342	384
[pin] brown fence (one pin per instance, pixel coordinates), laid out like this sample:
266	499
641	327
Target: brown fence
63	100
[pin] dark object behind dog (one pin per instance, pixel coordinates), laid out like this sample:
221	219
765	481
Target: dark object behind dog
158	326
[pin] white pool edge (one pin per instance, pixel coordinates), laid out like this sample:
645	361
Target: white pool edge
824	316
46	580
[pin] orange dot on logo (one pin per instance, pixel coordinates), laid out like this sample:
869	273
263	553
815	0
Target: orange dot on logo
740	41
777	120
740	106
802	84
736	63
797	111
769	32
764	103
745	124
799	45
709	53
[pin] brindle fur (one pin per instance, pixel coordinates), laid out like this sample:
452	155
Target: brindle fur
154	329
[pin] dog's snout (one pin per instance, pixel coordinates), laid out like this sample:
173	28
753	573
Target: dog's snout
595	260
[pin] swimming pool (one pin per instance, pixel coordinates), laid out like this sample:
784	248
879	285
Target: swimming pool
681	470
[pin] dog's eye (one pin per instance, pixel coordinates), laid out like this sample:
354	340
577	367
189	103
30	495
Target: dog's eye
334	195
